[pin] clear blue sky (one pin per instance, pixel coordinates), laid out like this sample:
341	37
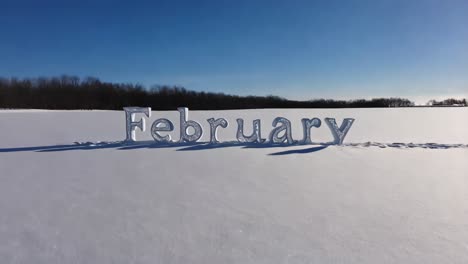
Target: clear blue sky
295	49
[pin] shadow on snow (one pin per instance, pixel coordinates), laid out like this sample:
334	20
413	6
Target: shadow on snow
120	145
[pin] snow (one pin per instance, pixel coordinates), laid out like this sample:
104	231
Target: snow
396	192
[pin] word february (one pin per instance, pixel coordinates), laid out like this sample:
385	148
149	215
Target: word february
280	134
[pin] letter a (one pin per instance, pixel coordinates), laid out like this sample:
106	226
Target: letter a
286	127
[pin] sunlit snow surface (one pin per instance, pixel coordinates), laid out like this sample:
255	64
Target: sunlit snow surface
395	192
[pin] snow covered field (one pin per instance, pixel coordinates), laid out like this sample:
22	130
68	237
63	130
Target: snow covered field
70	192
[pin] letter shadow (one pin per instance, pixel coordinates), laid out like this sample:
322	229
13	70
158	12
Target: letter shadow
299	151
120	145
196	146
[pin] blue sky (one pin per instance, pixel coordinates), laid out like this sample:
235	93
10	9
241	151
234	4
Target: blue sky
296	49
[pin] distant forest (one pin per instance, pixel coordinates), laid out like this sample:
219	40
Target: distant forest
69	92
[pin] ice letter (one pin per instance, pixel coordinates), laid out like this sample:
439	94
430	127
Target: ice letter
214	128
339	133
255	137
184	124
130	122
167	126
286	127
307	124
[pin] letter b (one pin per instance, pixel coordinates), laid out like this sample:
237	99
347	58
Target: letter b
184	124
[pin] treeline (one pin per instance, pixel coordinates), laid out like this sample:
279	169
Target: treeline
69	92
448	102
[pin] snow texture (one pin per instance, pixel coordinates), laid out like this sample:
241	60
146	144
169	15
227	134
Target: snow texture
396	191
